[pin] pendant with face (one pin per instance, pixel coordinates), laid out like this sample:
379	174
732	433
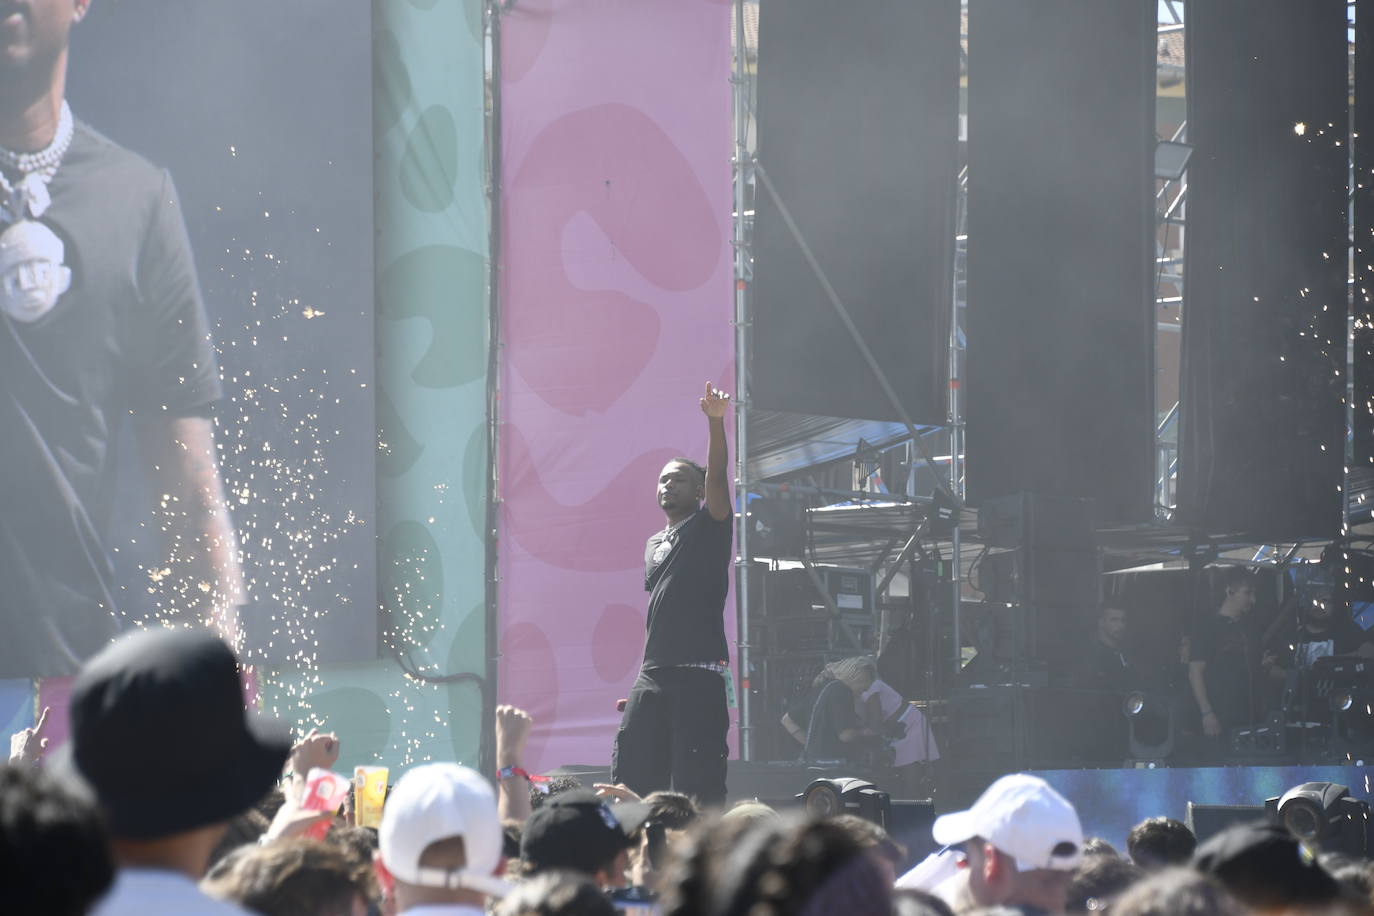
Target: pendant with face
32	273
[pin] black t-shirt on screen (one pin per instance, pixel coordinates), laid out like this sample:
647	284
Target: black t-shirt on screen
127	338
687	575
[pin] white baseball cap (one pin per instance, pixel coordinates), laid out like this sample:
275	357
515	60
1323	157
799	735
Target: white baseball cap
435	802
1024	818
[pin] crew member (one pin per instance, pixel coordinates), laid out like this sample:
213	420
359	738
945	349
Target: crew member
825	722
673	731
1105	665
1323	629
101	321
1222	669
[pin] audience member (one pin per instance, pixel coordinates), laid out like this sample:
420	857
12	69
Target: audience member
314	750
28	745
441	841
1355	875
54	852
869	836
1266	868
673	810
244	829
159	735
1022	840
918	903
513	783
511	832
359	842
733	868
670	815
1159	842
577	831
1096	846
1176	891
557	893
298	877
1098	881
751	811
555	786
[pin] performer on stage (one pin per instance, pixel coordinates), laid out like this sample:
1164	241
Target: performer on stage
101	320
673	731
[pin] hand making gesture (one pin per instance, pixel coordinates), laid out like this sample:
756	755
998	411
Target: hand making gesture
715	402
717	486
28	744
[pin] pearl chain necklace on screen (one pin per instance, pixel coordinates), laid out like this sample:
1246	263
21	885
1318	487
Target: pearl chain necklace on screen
29	195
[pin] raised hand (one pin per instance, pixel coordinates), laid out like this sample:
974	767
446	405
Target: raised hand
616	792
28	744
315	750
512	730
715	402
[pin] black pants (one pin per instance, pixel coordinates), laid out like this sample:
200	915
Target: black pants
673	734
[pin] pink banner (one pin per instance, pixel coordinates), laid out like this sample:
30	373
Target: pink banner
616	302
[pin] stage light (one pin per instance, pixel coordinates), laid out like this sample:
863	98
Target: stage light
1341	701
829	797
1150	724
1323	815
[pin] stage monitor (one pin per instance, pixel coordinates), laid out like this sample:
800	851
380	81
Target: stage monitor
1206	821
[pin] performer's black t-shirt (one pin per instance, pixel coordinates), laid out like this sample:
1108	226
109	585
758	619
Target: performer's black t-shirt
127	338
1232	674
687	584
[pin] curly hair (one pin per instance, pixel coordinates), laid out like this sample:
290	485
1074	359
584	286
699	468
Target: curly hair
785	868
296	876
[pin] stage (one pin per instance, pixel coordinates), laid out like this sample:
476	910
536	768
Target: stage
1110	801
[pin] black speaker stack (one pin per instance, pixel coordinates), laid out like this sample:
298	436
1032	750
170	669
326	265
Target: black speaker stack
795	629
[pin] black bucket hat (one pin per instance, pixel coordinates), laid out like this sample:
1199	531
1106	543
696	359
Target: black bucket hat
160	737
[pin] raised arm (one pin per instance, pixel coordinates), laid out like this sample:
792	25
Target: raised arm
714	405
198	533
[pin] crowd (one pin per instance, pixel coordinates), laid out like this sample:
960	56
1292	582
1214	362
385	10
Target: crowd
169	798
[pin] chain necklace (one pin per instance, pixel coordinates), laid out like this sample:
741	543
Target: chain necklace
29	195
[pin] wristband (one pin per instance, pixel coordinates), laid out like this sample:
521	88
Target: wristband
506	773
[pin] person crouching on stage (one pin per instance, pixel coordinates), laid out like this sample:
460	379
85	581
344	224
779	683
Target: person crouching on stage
870	722
672	735
885	711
